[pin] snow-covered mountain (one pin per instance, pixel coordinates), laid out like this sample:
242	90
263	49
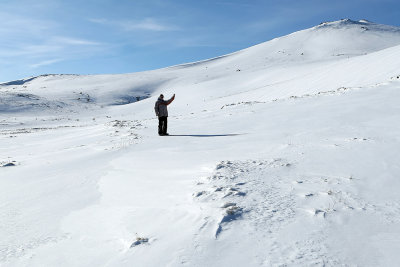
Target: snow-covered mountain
277	64
283	154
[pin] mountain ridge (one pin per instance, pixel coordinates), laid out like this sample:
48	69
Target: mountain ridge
339	24
282	66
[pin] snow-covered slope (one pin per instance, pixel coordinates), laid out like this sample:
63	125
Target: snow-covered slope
284	154
272	64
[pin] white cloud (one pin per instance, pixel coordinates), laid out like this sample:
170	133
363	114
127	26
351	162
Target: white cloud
15	28
28	50
74	41
147	24
44	63
26	39
99	21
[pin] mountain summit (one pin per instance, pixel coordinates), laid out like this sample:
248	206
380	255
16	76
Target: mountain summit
339	41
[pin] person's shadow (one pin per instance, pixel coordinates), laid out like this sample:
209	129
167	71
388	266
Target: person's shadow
204	135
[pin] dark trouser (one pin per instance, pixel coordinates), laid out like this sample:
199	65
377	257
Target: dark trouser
162	125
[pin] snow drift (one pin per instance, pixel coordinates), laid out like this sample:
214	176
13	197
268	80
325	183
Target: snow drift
281	154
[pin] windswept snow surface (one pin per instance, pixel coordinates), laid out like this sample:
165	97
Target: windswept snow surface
282	154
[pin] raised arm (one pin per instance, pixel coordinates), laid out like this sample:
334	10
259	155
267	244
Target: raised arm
172	99
167	102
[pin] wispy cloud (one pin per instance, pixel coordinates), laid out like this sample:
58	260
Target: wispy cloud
15	25
236	4
49	47
157	33
37	38
74	41
147	24
44	63
28	44
283	15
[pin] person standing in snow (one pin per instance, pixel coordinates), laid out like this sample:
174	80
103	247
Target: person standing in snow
162	113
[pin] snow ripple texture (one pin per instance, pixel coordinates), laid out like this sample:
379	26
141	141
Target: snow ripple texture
240	185
269	200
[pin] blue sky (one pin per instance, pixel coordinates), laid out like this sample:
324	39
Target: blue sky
105	36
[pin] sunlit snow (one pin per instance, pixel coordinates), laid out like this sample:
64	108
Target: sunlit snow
282	154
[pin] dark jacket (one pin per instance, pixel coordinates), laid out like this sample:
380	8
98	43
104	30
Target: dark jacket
161	107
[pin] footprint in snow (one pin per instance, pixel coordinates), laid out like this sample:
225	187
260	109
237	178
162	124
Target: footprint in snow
198	194
10	164
140	241
317	212
233	192
359	139
228	204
